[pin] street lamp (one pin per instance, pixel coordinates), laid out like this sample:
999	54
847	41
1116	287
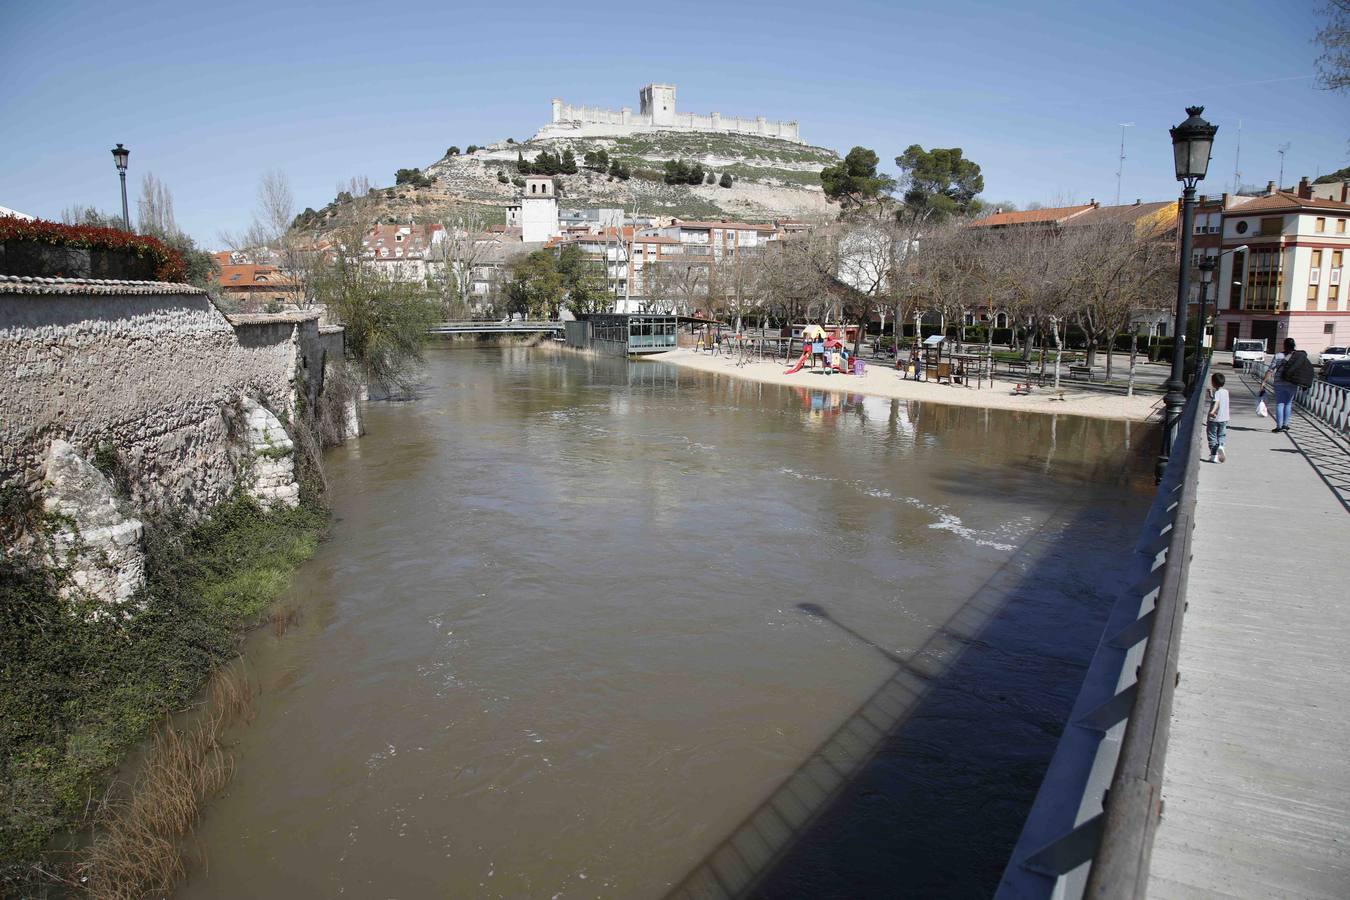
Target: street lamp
1191	144
120	155
1207	267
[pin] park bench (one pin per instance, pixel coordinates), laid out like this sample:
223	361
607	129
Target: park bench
1018	368
1080	372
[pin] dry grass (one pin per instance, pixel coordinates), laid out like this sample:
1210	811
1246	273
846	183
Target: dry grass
137	848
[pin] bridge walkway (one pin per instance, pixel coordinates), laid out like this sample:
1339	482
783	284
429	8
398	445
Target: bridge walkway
1256	785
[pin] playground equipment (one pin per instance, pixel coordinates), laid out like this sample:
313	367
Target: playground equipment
831	344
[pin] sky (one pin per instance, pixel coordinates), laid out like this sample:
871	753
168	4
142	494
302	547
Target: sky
208	97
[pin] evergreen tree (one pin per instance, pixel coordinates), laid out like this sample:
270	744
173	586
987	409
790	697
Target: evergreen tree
522	166
453	151
939	182
854	180
569	163
726	180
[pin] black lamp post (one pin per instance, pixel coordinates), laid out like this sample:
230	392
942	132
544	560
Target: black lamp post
1191	144
120	155
1207	266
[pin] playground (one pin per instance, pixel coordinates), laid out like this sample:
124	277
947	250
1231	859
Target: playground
885	380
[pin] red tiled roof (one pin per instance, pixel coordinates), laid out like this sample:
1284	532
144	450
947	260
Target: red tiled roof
1032	216
737	226
249	275
1288	200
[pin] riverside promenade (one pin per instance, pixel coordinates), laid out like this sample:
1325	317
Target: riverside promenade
1256	785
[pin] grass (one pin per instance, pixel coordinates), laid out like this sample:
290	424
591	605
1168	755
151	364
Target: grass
77	691
137	850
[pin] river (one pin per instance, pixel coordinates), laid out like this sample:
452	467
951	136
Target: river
588	628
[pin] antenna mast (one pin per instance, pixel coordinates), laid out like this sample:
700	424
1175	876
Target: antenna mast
1282	150
1237	157
1120	170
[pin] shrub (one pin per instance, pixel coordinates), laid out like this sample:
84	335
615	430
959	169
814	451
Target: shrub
726	180
413	177
453	151
472	148
169	264
501	176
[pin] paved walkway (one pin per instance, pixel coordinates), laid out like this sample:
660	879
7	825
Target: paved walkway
1256	788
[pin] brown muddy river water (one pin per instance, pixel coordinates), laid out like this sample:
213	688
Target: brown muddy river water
587	628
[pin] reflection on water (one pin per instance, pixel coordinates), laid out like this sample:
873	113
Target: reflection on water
594	628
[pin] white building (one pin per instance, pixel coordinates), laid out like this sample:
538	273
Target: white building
1290	281
539	210
656	112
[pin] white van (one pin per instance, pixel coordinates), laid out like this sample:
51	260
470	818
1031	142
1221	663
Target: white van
1246	351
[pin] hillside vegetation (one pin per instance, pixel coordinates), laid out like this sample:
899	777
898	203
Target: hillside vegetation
768	179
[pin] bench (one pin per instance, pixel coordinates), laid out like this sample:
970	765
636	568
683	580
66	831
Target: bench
1018	367
1080	372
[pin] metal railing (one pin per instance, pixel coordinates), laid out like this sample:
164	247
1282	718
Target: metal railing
1325	402
1090	831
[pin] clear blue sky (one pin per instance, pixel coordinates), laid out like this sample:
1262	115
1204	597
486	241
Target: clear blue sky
209	96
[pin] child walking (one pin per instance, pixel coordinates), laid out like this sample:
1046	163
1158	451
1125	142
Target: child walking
1216	425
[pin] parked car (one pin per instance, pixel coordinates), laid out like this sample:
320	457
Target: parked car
1248	351
1335	354
1337	373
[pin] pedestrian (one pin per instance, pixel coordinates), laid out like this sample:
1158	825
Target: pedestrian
1289	371
1216	424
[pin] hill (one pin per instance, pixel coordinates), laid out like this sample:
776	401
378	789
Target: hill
770	178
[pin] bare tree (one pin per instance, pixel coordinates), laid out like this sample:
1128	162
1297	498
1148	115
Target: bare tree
154	208
1333	66
465	246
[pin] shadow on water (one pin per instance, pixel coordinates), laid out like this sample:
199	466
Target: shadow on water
923	789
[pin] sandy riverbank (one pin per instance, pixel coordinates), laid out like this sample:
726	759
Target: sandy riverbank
882	381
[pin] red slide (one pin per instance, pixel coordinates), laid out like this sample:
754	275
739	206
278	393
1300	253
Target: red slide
806	358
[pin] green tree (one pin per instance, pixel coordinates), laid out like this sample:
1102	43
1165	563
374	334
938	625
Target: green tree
569	163
386	321
710	179
726	180
522	164
583	284
1331	177
536	288
453	151
939	183
501	176
854	180
472	148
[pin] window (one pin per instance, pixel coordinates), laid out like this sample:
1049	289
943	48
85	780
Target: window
1271	226
1313	275
1321	225
1336	257
1312	296
1333	296
1317	259
1329	328
1340	226
1241	228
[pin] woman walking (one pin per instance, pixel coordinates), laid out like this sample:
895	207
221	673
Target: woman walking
1289	371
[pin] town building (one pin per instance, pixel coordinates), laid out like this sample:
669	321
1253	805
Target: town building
404	252
656	112
1289	282
253	287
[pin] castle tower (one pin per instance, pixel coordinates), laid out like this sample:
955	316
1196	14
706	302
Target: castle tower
658	102
557	109
539	209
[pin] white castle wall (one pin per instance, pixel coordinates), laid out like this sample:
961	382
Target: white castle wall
569	120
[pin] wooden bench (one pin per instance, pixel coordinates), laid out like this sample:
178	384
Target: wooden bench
1019	368
1080	372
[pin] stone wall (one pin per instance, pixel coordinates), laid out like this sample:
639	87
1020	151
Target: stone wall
190	403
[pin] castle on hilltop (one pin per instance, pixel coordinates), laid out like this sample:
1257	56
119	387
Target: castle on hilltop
656	112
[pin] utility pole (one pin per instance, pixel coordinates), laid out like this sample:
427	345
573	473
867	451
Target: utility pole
1237	158
1120	171
1282	150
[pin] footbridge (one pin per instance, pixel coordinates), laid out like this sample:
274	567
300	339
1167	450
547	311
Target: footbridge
519	326
1205	756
